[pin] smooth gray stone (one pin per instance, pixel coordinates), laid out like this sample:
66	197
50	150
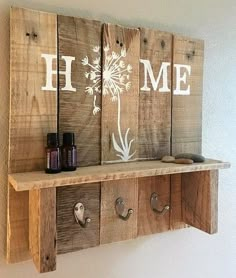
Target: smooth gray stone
168	159
193	156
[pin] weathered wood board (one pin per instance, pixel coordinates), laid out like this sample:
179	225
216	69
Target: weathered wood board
112	228
200	200
120	93
33	113
42	228
150	222
187	109
176	215
70	235
154	106
80	110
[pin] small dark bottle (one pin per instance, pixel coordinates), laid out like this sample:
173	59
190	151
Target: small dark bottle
53	154
69	152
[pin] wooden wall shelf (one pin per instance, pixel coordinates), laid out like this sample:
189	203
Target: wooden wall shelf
125	118
91	174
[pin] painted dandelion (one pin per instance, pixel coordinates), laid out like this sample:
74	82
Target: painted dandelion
116	81
94	75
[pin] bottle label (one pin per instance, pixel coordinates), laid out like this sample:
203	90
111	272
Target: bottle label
53	160
69	157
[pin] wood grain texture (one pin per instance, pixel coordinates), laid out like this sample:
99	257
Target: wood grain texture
120	93
154	107
176	216
77	37
33	112
17	226
200	200
187	109
70	235
42	228
150	222
37	180
112	228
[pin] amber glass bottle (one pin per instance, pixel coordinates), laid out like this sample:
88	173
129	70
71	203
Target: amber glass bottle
69	152
53	154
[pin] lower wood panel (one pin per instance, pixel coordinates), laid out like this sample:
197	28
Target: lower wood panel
150	222
112	227
176	215
70	235
200	200
42	228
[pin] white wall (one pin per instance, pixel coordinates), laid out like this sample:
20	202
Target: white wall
186	253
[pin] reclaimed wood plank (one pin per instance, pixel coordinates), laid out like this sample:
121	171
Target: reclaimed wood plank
112	228
33	112
70	235
200	200
187	109
150	222
120	93
176	216
42	228
154	106
81	38
38	179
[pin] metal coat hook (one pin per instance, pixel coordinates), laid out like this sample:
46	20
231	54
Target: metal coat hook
79	215
154	204
120	207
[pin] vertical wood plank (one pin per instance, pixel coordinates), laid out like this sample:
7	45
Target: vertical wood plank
187	109
150	222
200	200
42	228
33	112
79	111
176	216
17	226
120	93
154	106
70	235
112	228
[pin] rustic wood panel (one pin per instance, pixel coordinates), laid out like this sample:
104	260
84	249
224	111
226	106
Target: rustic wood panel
42	228
176	217
81	38
154	106
120	99
33	112
112	228
200	200
187	109
70	235
37	180
17	226
150	222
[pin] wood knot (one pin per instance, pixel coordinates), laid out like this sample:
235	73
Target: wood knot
163	44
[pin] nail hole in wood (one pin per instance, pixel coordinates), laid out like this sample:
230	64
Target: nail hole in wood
121	44
27	34
35	35
117	42
47	258
193	52
163	44
145	40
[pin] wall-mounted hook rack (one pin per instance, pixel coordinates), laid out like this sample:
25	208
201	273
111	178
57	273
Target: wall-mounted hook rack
79	215
120	208
154	200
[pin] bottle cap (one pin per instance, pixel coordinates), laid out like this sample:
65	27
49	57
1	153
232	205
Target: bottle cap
52	139
68	138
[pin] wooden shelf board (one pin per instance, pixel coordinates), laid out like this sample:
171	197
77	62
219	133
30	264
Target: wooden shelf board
38	180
